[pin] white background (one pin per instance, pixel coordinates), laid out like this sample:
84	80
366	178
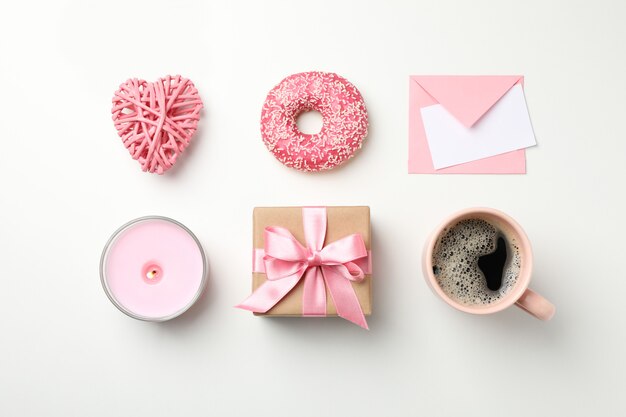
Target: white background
67	183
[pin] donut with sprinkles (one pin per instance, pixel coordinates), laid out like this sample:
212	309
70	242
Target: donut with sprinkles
344	117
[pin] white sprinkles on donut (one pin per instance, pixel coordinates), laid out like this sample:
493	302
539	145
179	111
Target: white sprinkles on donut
343	112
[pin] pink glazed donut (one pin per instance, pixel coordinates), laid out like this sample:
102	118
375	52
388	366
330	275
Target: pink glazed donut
343	112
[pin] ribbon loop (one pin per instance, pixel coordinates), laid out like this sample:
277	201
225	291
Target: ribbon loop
281	244
278	269
351	272
344	250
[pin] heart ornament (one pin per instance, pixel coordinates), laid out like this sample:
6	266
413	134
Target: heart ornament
156	121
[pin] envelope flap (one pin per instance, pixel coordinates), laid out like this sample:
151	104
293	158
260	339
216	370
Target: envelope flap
467	97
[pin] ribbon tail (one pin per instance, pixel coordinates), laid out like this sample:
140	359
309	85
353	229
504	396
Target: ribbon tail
269	294
314	295
342	293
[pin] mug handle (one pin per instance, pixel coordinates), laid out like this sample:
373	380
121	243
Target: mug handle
536	305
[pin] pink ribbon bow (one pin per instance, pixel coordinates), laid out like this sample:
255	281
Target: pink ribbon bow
286	261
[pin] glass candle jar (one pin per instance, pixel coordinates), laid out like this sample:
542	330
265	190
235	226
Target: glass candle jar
153	268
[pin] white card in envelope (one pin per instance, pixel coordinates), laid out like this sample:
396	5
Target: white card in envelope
504	128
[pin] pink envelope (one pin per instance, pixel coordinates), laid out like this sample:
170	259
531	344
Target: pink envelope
467	98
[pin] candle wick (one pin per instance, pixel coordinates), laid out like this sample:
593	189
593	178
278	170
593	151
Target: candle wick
152	274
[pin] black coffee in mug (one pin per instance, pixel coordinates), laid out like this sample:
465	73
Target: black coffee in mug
474	262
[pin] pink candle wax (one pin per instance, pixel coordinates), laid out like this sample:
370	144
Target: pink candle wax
153	268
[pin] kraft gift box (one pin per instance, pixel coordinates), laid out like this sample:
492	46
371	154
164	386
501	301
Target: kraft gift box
341	222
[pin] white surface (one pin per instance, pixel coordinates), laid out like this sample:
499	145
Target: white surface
68	183
504	128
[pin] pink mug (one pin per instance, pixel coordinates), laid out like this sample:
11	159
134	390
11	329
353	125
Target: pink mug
520	294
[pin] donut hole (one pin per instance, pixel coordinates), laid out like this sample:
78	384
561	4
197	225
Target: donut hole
310	122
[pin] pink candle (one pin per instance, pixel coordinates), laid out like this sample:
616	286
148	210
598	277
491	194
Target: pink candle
153	268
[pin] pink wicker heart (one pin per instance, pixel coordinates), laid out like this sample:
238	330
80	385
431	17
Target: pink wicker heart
156	121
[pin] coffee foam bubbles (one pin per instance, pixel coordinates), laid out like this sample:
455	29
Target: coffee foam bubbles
455	262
